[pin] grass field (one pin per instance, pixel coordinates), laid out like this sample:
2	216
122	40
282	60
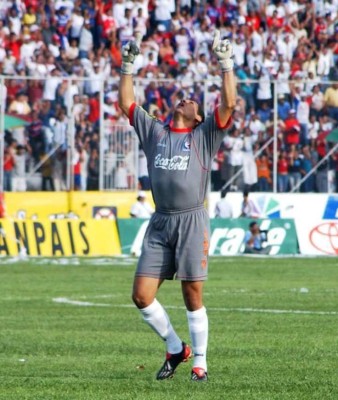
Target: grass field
68	330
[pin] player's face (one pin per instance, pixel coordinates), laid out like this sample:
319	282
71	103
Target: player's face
188	108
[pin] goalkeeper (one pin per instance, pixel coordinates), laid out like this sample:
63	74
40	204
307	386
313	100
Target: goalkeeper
176	242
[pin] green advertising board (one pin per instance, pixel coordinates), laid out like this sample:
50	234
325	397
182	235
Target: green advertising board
131	232
227	235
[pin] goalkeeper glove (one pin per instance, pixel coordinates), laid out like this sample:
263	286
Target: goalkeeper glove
129	53
224	52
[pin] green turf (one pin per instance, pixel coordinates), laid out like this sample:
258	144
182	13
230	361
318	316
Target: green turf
51	350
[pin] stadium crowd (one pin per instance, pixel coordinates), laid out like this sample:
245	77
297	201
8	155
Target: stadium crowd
45	46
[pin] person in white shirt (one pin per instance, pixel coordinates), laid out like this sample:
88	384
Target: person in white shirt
248	207
118	11
126	27
235	143
19	180
223	208
325	62
86	41
317	101
51	84
239	50
254	57
27	48
303	115
141	209
264	86
256	125
250	177
77	21
163	12
96	78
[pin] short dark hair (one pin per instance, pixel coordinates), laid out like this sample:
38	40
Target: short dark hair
223	193
252	224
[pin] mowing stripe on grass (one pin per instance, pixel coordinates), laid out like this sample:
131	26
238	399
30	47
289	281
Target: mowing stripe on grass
65	300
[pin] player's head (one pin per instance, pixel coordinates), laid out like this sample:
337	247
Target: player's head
191	111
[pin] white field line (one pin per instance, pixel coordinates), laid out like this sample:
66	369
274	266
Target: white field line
79	303
65	300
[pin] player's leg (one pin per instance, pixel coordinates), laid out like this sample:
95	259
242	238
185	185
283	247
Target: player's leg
156	264
198	327
153	313
192	269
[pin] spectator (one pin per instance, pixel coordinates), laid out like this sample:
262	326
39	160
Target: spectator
317	102
249	164
306	167
248	208
255	239
35	136
77	21
120	175
163	12
291	129
143	171
331	101
263	173
283	107
20	105
9	164
303	114
93	170
282	173
223	208
47	173
141	209
86	40
294	169
235	144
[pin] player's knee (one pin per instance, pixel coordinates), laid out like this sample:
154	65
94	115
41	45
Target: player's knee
140	300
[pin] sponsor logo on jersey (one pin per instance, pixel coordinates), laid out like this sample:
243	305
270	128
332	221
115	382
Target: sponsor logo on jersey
186	145
176	163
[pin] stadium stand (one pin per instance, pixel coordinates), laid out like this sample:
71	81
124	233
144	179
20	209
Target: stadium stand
60	60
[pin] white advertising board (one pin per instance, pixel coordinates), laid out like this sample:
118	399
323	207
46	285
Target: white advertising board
315	216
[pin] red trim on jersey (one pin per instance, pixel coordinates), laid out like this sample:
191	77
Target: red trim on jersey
131	114
179	130
218	121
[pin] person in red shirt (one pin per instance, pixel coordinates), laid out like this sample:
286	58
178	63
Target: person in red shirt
282	172
291	129
94	108
253	20
9	163
274	21
14	44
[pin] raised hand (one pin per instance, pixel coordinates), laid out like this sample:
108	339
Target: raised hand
224	51
129	53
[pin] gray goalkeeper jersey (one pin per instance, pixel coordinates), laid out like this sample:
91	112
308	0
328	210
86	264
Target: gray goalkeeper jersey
179	160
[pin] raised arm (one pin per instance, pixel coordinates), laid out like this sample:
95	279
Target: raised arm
224	52
126	85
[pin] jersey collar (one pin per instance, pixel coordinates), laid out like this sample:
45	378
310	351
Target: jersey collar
179	130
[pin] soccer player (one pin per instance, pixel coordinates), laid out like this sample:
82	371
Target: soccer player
176	242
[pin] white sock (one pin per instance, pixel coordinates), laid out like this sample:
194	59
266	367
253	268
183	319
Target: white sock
156	317
198	327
